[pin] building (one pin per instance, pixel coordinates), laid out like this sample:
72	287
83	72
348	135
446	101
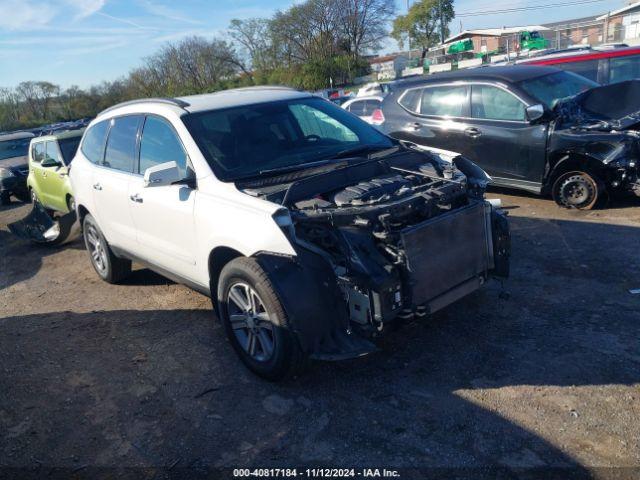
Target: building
578	31
623	25
388	67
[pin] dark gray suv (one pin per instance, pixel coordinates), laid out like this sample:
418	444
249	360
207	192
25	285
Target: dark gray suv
535	128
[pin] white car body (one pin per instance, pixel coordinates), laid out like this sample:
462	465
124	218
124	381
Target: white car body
348	105
303	240
167	230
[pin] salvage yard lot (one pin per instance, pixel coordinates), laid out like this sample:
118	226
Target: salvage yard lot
544	371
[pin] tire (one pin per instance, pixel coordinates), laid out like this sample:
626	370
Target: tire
274	352
108	267
5	198
579	190
71	203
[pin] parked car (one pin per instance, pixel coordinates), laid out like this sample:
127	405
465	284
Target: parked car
50	158
539	129
605	65
340	100
374	89
53	216
367	108
13	166
311	230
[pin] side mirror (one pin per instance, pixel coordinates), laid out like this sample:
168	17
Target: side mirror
161	175
534	112
50	162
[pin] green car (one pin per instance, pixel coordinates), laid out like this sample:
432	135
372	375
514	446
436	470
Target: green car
49	160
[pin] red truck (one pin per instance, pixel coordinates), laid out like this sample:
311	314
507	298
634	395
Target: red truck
601	65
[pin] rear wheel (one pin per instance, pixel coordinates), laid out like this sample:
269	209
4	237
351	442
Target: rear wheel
255	321
109	267
580	190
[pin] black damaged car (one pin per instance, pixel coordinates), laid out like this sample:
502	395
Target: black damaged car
534	128
14	166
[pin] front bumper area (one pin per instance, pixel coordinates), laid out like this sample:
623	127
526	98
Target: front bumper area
335	312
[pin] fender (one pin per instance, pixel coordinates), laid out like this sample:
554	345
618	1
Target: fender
563	161
306	285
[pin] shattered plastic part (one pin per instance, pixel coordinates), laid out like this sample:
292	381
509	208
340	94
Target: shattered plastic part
41	227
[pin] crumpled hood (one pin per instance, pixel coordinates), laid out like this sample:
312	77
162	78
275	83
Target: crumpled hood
615	106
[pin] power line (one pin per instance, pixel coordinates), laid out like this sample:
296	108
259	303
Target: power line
523	9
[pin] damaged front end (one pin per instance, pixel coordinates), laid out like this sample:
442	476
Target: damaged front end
602	126
380	242
42	226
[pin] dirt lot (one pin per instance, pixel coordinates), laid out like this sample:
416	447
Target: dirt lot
543	372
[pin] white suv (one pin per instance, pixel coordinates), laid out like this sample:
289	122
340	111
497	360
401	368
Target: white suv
310	230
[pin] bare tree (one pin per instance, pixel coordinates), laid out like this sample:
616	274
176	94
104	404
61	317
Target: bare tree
364	23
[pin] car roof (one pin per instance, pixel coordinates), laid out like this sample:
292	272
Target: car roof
213	101
62	135
239	97
507	74
15	136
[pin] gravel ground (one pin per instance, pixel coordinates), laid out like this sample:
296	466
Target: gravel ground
543	371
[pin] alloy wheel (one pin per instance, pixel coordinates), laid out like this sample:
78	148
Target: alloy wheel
250	322
97	249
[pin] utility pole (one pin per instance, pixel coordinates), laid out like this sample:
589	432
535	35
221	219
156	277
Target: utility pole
409	34
441	22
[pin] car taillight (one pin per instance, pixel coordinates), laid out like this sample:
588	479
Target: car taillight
377	117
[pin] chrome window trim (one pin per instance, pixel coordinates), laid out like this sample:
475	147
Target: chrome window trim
465	83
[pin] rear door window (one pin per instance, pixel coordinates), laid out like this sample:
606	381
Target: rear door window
93	143
410	100
493	103
587	68
121	143
624	68
445	101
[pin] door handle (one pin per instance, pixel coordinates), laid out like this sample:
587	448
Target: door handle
136	198
415	125
97	186
472	132
44	174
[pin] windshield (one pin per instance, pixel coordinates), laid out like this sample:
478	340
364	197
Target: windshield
552	88
68	147
14	148
242	142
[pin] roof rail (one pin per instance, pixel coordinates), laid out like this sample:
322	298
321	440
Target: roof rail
166	100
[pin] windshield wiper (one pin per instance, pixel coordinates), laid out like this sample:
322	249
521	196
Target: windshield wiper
293	168
358	149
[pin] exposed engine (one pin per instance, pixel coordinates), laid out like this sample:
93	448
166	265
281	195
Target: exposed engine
404	235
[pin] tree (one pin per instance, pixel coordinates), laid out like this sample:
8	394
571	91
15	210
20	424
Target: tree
364	23
426	24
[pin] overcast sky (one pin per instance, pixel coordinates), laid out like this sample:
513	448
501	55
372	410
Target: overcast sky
84	42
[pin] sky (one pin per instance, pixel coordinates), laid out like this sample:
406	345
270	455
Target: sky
85	42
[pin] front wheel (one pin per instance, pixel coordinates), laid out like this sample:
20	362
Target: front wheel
580	190
255	321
